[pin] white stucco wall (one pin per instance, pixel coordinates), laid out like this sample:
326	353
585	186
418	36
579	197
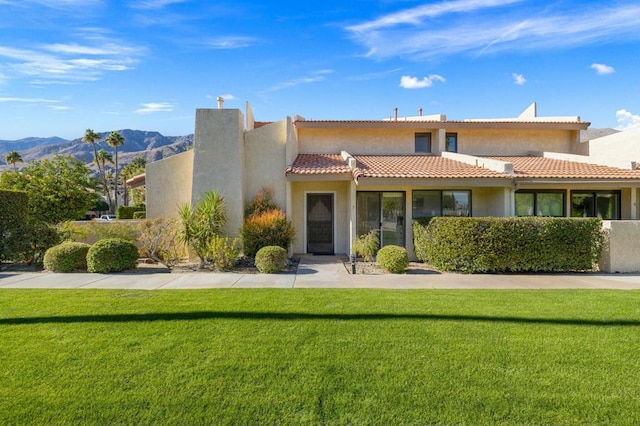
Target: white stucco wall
622	250
618	149
265	160
168	184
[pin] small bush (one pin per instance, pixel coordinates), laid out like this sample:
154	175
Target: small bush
393	259
159	240
270	228
223	252
66	257
262	202
271	259
366	245
128	212
112	255
142	214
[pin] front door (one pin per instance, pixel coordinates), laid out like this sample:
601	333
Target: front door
320	223
383	211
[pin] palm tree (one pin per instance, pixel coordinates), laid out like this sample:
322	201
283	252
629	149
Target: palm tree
13	157
92	137
102	158
114	140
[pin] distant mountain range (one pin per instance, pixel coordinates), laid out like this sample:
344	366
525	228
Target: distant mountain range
152	146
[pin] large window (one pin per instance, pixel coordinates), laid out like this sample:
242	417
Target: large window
383	211
540	203
441	203
602	204
451	142
423	142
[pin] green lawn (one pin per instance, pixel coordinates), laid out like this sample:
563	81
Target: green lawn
319	357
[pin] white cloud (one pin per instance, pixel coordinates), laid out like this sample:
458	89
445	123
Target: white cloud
519	79
314	77
229	42
602	69
155	4
152	107
488	26
626	120
408	82
62	63
29	100
59	107
227	97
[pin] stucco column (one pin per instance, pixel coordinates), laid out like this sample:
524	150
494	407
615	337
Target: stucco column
567	203
352	216
510	201
288	208
634	204
442	141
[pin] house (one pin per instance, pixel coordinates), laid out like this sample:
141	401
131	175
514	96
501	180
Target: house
338	179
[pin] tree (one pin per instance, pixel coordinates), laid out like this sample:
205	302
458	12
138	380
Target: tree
12	158
102	158
114	140
59	189
92	137
135	168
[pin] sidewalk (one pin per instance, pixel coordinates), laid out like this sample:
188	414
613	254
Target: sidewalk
318	272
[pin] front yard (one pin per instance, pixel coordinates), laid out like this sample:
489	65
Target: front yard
319	357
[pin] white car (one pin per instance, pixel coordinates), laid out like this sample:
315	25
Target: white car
107	217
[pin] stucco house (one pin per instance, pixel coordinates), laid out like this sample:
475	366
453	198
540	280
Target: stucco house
337	179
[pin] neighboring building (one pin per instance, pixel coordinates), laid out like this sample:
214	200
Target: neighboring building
337	179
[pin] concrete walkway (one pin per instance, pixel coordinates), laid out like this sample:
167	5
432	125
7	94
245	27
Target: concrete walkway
317	272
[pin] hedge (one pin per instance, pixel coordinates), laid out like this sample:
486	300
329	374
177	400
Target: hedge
126	212
13	214
514	244
112	255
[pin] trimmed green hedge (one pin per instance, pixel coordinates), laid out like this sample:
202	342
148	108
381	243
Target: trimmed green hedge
393	259
513	244
66	257
13	216
126	212
112	255
271	259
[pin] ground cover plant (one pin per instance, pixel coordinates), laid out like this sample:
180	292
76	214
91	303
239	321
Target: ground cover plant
319	357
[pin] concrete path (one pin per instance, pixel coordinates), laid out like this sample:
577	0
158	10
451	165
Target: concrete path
318	272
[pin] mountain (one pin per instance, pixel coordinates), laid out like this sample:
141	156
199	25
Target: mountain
152	146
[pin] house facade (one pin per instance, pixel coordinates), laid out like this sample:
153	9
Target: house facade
338	179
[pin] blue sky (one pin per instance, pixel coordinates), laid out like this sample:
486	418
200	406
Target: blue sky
68	65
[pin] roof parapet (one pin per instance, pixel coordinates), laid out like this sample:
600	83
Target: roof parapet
486	163
628	165
348	158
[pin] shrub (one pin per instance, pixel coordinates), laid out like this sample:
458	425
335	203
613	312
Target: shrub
128	212
13	214
30	242
159	240
112	255
269	228
526	244
141	214
202	223
66	257
93	231
262	202
393	259
366	245
223	252
271	259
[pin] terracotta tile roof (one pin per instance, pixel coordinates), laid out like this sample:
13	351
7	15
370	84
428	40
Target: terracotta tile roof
417	166
389	166
548	168
318	164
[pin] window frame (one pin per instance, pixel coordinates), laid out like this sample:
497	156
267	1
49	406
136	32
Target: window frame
594	197
441	192
447	145
535	193
429	141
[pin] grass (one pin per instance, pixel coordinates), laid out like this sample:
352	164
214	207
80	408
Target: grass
319	357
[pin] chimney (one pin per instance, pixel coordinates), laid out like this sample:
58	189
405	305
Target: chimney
419	112
395	114
220	102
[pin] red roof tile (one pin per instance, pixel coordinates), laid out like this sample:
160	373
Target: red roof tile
317	164
548	168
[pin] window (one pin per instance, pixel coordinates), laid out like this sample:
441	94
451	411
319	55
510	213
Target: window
441	203
540	203
451	142
384	211
423	142
602	204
